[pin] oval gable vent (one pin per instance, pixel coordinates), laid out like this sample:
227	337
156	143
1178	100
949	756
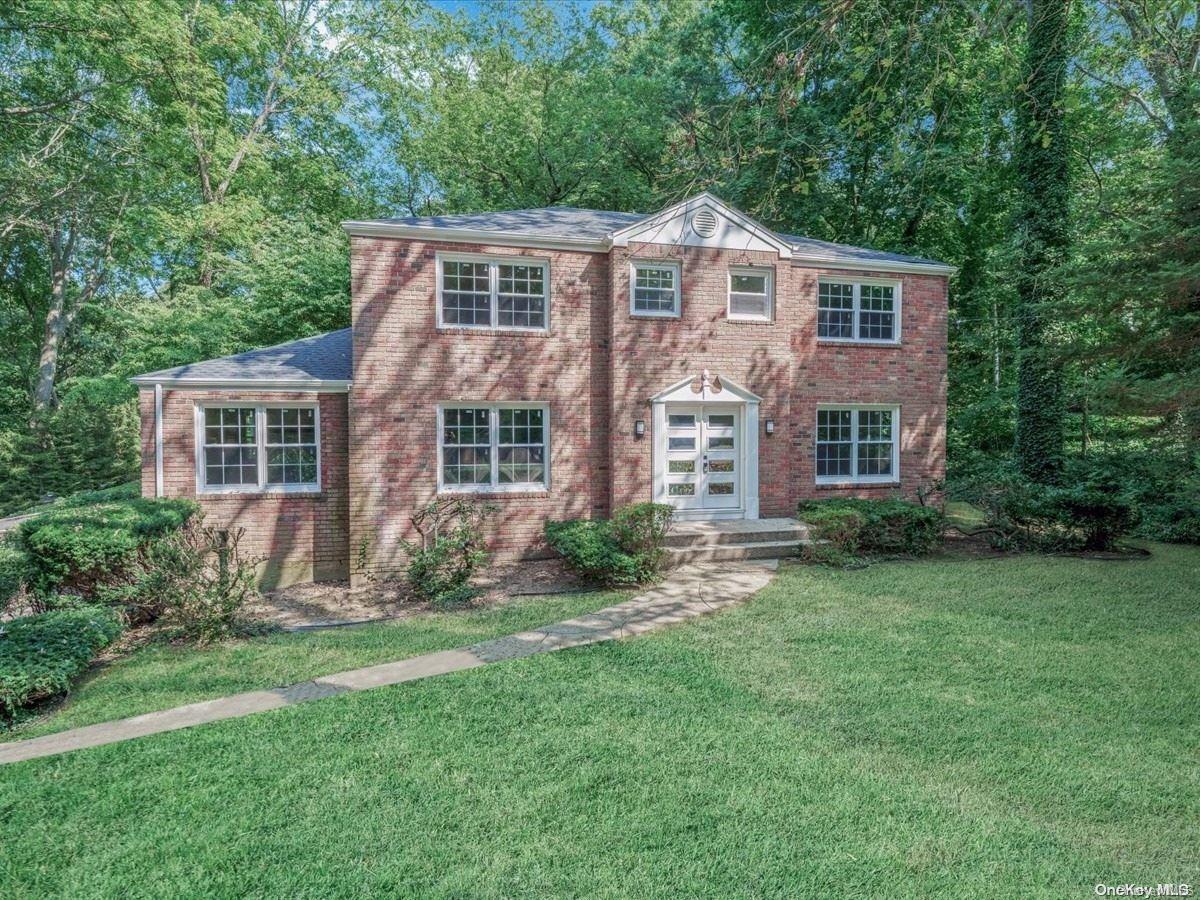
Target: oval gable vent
704	223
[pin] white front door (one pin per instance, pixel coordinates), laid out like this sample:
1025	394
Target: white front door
703	457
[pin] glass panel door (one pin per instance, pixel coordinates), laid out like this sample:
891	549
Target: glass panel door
684	457
721	460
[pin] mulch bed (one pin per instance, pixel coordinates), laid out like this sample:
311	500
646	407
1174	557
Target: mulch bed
330	603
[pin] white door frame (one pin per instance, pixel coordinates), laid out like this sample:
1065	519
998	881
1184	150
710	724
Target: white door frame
712	390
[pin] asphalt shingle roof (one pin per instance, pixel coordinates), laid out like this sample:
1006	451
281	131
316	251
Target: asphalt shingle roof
323	357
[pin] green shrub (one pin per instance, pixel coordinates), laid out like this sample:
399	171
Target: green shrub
836	533
875	527
451	551
1091	515
591	551
76	548
14	571
1176	521
625	551
40	655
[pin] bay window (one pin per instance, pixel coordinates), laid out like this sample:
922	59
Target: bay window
493	447
858	444
253	447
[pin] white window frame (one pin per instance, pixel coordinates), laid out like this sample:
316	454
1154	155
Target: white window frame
770	287
854	478
493	261
494	487
260	435
857	284
674	265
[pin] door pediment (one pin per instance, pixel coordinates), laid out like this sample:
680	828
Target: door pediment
706	388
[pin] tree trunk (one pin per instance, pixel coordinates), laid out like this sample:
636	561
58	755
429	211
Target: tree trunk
57	320
1043	165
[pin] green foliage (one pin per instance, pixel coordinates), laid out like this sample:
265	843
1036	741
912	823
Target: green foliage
836	534
40	655
79	548
1085	515
624	551
14	571
873	527
452	549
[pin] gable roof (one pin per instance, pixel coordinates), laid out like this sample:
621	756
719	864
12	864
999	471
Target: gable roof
321	362
659	222
596	230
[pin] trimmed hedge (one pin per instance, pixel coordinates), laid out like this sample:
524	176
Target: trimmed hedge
75	548
874	527
625	551
41	655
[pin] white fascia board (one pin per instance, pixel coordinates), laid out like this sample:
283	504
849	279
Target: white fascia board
475	236
623	236
245	384
878	265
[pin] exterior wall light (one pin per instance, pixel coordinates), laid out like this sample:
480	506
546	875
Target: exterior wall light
770	426
639	428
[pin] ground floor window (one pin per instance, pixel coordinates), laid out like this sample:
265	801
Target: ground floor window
493	447
858	444
246	447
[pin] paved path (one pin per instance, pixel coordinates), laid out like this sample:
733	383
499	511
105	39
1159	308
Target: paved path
688	591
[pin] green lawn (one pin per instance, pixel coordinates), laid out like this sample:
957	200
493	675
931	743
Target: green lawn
1001	727
159	676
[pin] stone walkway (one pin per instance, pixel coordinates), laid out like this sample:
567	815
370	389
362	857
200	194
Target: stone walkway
687	592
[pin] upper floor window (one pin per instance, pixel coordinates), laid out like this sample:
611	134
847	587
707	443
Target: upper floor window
257	447
477	292
751	295
654	289
858	311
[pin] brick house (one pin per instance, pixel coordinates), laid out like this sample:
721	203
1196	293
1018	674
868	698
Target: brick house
561	363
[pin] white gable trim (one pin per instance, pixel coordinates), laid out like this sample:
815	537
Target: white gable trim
731	392
638	230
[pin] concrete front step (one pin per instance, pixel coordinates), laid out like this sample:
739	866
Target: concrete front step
685	535
678	556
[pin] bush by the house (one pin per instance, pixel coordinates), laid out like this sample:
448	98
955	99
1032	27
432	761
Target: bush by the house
873	527
197	578
78	547
625	551
40	655
835	534
451	551
1089	515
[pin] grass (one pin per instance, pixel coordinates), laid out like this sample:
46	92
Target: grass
159	676
989	727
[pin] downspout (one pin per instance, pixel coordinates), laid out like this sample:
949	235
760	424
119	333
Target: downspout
158	442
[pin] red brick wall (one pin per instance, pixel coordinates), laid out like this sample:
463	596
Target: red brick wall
404	366
301	536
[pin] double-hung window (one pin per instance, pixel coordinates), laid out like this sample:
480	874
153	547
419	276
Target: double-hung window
254	447
493	447
858	444
506	293
654	289
858	311
750	295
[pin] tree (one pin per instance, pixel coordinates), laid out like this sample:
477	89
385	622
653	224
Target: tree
1043	230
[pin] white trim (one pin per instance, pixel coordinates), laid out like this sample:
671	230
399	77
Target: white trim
681	392
872	265
495	487
622	236
769	273
493	262
316	386
857	283
260	436
158	441
673	264
475	236
854	480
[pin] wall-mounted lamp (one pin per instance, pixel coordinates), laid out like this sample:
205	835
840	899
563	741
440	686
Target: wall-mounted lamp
770	426
639	428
